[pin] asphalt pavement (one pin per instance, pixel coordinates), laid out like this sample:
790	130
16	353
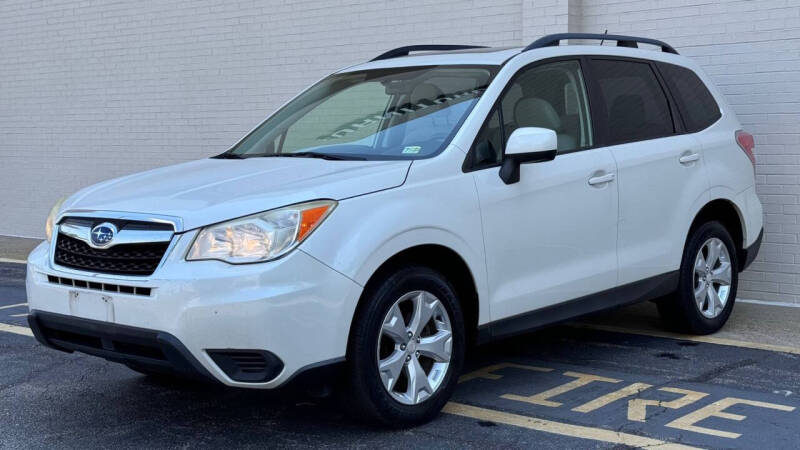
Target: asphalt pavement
572	386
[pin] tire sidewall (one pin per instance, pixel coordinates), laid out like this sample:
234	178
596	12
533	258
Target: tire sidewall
366	379
697	322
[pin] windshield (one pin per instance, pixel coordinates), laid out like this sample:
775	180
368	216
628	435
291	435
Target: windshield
398	113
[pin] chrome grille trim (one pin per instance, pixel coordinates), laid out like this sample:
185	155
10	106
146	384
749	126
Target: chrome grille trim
175	222
124	236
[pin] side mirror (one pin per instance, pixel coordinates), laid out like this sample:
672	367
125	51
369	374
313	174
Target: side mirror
527	145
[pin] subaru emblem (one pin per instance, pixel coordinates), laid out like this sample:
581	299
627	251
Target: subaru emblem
103	234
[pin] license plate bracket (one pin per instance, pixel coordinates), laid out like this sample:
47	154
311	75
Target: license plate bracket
90	305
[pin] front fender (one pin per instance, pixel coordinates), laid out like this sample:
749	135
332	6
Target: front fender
364	232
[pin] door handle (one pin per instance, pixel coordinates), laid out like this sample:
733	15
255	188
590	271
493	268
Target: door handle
602	179
690	158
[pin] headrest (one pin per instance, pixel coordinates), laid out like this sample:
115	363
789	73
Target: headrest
424	91
536	112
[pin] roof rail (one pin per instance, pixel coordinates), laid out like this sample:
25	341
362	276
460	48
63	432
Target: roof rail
404	51
552	40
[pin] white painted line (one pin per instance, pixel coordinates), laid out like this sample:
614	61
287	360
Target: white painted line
766	303
19	315
687	337
563	429
14	261
25	331
36	238
13	306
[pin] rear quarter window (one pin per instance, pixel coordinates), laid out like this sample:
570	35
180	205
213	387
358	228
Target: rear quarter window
698	107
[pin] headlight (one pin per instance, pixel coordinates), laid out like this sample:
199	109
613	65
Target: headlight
260	237
49	226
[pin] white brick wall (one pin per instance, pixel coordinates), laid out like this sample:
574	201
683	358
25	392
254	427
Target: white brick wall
151	83
752	51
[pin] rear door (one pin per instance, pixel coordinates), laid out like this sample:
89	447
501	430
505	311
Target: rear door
660	169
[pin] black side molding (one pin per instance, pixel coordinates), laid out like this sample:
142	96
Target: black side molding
552	40
638	291
748	255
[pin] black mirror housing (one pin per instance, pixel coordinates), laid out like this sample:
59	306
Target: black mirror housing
509	171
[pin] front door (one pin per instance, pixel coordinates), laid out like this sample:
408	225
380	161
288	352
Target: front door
552	236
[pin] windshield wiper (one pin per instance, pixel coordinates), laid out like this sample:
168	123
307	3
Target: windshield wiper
328	156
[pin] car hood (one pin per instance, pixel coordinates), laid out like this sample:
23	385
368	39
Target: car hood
214	190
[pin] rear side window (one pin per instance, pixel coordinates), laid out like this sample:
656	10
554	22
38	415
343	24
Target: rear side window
698	107
636	107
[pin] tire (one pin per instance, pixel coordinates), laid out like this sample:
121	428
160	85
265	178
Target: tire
373	344
685	312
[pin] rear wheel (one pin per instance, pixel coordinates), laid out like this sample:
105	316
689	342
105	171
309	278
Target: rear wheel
708	280
407	348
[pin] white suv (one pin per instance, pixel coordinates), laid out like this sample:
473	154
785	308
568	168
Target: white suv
399	210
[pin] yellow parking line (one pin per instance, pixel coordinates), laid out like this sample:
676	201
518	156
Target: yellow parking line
25	331
687	337
13	306
563	429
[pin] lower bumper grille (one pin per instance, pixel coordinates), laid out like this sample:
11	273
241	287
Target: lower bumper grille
105	287
251	366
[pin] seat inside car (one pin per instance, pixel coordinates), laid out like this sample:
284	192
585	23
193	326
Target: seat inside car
537	112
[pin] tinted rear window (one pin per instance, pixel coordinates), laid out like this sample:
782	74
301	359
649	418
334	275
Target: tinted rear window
635	104
698	107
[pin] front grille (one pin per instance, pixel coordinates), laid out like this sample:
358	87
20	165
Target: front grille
124	259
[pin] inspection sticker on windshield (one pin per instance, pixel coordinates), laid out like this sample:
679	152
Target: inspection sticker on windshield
412	149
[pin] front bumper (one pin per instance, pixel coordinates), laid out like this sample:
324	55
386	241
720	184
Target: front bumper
296	308
150	349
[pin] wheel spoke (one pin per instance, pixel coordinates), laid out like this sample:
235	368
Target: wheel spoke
390	369
714	250
439	347
394	326
424	306
700	263
714	303
418	386
722	274
700	293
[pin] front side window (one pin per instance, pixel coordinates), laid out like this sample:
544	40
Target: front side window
636	107
398	113
551	95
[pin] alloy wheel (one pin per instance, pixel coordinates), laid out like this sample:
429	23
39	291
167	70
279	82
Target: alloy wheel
712	278
414	347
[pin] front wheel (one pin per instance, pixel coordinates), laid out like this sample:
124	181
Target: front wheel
406	348
708	280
